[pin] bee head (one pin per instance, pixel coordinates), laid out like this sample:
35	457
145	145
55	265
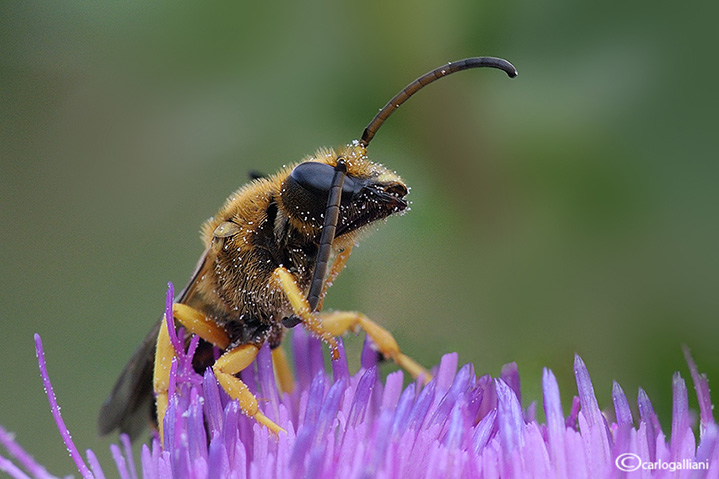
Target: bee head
336	194
370	191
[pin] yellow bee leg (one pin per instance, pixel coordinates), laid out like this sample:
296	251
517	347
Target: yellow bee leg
225	368
195	322
301	308
283	373
339	322
164	353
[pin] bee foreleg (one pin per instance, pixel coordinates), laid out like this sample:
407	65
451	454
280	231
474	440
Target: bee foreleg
311	321
339	322
337	266
225	368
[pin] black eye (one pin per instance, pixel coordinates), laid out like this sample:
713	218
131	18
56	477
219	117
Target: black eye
317	178
306	189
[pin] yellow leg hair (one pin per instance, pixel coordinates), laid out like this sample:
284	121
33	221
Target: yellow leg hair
337	266
301	307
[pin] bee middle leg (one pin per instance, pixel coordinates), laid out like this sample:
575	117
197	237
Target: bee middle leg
225	368
282	369
329	325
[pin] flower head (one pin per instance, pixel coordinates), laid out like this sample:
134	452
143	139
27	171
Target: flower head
357	425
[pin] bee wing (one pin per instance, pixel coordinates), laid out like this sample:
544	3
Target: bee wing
130	405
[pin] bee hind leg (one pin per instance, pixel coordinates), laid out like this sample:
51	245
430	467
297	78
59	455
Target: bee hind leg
164	352
230	363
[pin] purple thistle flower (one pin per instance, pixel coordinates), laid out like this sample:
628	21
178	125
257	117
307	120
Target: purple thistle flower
342	425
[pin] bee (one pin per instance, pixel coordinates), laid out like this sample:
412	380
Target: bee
270	254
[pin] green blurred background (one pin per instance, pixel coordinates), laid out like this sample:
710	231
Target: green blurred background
572	209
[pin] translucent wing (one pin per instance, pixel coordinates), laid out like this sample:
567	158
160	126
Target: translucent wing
130	406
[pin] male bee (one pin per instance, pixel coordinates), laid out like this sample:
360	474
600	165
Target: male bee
270	254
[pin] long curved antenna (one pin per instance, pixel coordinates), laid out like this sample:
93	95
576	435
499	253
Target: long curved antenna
426	79
328	234
335	193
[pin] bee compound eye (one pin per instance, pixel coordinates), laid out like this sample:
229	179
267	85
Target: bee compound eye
317	177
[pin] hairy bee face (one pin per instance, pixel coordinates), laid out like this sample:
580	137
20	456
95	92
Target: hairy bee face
370	192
